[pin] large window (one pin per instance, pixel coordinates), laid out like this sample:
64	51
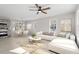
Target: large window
66	25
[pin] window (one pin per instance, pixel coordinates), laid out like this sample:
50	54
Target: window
66	25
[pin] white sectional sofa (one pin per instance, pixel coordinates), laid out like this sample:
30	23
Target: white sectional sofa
45	36
63	46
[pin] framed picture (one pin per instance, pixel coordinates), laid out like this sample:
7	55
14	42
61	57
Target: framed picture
53	25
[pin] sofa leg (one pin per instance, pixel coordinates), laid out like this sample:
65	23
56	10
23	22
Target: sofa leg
54	52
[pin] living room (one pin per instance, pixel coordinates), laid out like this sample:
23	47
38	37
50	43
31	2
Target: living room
39	29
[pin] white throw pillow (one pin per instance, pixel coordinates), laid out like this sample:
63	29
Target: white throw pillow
68	35
72	37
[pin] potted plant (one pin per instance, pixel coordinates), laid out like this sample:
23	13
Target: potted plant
33	34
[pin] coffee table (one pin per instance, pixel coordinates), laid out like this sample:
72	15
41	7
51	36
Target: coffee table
35	46
34	39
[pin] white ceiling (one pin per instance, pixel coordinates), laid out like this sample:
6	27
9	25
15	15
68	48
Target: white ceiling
21	11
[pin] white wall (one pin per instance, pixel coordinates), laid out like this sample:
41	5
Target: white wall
77	26
42	24
62	17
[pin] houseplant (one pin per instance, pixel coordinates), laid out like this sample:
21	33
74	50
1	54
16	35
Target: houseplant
33	35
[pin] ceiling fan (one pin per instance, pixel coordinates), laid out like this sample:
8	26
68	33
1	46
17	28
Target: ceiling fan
40	9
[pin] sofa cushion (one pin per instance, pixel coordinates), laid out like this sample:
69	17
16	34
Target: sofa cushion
61	34
47	33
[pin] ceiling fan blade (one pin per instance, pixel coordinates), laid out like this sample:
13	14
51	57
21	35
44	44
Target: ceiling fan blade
37	5
46	8
43	12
